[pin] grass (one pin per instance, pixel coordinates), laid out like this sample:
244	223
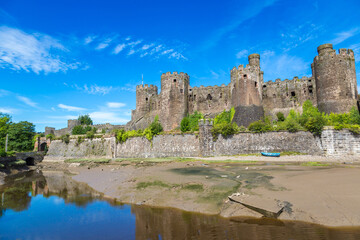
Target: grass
291	153
17	163
190	186
87	160
317	164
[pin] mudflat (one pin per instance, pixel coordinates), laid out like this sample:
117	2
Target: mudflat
312	189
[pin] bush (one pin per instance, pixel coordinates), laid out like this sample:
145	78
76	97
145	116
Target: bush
280	116
194	121
185	125
292	125
260	126
2	153
50	136
65	138
311	118
90	135
79	140
225	129
225	117
155	126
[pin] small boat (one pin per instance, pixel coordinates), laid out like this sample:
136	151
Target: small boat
266	154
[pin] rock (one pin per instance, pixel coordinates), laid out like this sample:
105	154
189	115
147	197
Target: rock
74	164
224	176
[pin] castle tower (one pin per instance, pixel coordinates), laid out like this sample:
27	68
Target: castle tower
246	83
145	100
335	79
174	95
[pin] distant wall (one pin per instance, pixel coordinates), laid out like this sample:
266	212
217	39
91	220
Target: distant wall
331	143
186	145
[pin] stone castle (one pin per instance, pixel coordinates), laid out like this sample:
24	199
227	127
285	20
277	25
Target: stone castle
332	88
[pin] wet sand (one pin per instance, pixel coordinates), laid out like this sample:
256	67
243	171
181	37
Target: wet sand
325	193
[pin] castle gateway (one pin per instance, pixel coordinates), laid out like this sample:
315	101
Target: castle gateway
332	88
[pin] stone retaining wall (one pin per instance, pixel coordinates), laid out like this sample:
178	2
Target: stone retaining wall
331	143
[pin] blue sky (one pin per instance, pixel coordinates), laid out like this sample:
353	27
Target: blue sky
60	59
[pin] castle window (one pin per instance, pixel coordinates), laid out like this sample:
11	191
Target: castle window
309	80
181	91
146	99
310	89
274	96
190	89
209	97
293	94
245	76
220	95
264	86
255	84
174	80
194	97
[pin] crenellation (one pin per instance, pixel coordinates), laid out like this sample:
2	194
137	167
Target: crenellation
332	87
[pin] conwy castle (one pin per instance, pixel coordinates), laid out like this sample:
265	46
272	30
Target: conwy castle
332	88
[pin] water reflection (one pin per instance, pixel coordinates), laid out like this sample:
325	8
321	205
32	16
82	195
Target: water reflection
50	205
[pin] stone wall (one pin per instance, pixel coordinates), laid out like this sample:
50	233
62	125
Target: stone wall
95	148
331	143
186	145
336	143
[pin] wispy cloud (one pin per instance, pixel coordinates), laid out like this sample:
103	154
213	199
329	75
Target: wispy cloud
115	104
248	11
94	89
104	44
342	36
4	92
34	52
6	110
282	66
242	53
356	49
89	39
108	117
27	101
119	48
71	108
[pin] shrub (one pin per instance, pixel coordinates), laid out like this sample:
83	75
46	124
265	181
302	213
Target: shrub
50	136
260	126
155	126
65	138
354	117
311	118
185	125
280	116
194	121
90	135
225	129
2	153
80	139
225	117
292	125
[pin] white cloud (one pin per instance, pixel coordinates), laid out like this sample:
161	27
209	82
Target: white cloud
27	101
104	44
32	52
356	49
115	104
89	39
6	110
95	89
147	46
131	52
119	48
242	53
282	66
71	108
4	92
342	36
107	117
167	51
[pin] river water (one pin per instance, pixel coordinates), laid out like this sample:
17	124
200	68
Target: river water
50	205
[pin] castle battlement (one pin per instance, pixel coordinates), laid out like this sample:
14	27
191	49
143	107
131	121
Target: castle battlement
167	74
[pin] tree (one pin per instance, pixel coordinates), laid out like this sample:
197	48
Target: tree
5	121
85	120
155	126
185	124
20	136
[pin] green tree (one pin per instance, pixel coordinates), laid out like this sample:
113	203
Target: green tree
5	121
311	118
185	125
85	120
194	120
155	126
20	136
280	116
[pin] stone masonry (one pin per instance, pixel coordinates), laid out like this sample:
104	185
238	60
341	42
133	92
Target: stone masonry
332	87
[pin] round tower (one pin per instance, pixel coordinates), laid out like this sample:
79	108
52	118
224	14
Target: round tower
254	59
335	79
174	99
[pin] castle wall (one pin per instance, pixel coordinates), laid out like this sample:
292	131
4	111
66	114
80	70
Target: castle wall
282	96
209	100
331	143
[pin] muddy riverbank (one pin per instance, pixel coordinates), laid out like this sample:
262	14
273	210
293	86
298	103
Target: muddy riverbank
316	190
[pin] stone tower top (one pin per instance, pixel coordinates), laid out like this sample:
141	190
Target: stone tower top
325	48
254	59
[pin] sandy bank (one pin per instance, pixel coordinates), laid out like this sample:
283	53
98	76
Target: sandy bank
324	193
